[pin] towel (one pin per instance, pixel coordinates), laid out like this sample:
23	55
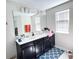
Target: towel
50	34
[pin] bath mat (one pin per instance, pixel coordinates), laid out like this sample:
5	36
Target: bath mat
53	53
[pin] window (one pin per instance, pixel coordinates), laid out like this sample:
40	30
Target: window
62	21
37	23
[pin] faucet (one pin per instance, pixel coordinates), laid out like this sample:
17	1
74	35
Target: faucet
22	35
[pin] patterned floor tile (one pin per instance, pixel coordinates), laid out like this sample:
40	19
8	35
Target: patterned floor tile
54	53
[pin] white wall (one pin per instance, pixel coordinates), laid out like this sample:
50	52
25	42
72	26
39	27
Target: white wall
63	40
10	35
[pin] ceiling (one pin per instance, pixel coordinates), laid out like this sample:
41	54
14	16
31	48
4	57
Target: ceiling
40	4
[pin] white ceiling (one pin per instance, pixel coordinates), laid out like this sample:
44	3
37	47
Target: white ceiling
40	4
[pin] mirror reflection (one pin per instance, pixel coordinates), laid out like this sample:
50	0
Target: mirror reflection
26	24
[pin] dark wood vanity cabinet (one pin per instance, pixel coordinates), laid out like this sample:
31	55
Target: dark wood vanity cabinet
34	49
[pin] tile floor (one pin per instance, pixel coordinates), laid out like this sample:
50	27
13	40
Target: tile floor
64	56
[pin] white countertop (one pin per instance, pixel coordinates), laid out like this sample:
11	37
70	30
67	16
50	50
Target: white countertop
31	38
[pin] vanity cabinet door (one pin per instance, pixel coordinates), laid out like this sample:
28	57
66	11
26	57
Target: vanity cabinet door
29	52
39	47
52	40
46	44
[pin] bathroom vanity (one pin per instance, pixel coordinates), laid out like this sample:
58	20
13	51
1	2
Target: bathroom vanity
33	47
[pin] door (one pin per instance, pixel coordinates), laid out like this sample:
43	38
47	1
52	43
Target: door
39	47
52	40
46	44
29	52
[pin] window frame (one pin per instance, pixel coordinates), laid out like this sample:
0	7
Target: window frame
64	32
39	24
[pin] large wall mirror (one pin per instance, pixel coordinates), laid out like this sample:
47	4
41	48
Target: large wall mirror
26	23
